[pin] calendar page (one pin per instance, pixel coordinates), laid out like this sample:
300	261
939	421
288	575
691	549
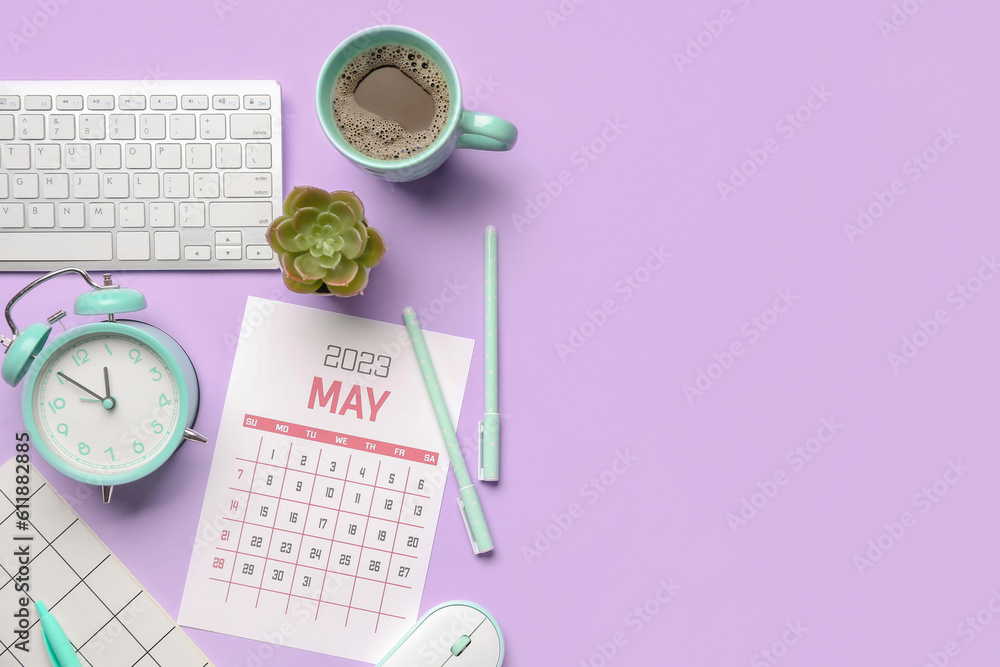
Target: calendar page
326	483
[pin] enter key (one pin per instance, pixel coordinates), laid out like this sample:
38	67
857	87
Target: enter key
240	184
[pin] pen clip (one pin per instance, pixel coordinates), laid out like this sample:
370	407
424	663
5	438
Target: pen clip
468	526
481	432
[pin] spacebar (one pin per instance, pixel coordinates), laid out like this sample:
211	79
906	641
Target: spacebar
55	246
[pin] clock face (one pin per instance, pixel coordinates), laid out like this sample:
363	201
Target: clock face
106	404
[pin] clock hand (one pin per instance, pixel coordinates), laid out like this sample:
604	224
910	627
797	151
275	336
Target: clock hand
109	402
69	379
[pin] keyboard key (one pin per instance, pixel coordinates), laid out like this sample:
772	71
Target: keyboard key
47	156
16	157
92	127
132	102
259	156
24	186
100	102
10	102
250	126
116	186
41	215
198	156
102	215
239	214
86	186
6	127
168	156
198	253
167	245
260	252
213	126
146	186
152	127
162	215
182	126
11	217
194	102
228	238
30	126
225	101
121	127
257	102
109	156
138	156
55	246
69	102
228	156
163	102
4	186
206	186
70	215
55	186
176	186
76	156
131	214
133	245
253	184
192	214
62	126
37	102
228	252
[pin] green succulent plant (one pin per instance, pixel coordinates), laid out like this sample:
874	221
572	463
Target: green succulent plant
324	243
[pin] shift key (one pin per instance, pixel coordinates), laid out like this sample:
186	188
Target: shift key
239	214
246	184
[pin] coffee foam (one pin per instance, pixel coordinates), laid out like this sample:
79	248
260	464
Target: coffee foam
373	135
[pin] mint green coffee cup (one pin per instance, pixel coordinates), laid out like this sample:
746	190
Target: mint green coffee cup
463	129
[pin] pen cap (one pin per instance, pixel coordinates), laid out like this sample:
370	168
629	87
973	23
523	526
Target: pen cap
489	447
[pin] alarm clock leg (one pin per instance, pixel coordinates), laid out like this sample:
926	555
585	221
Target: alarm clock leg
191	434
106	493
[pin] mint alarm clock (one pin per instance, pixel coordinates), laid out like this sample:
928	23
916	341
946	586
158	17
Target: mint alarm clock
104	403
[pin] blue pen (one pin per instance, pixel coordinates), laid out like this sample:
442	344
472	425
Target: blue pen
57	645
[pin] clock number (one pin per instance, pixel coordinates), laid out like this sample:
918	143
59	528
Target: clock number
157	427
326	360
108	349
84	448
164	402
134	355
137	447
110	450
80	358
63	429
385	366
57	404
157	375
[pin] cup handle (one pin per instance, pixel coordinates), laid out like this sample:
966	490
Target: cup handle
485	132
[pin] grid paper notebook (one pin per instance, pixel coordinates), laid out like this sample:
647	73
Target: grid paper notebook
102	608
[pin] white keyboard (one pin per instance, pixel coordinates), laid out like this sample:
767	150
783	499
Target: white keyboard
137	175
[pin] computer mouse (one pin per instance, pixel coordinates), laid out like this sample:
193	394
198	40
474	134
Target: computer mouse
456	634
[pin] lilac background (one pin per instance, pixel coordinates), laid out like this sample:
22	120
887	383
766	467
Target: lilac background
664	518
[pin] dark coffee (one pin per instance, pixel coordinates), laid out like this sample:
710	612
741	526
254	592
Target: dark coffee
390	102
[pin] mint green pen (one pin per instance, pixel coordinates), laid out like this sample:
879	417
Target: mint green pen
57	645
489	428
468	499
